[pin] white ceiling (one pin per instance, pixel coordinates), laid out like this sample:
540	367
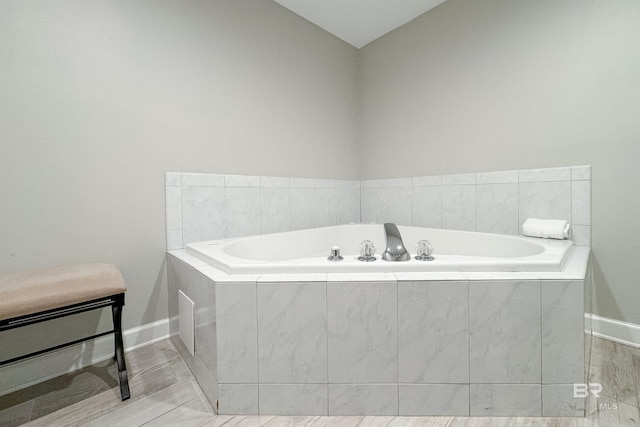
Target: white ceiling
359	22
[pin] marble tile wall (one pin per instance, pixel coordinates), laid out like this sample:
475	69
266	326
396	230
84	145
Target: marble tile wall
238	336
292	332
492	202
199	288
377	347
429	399
363	329
499	400
213	206
501	314
396	347
427	311
561	340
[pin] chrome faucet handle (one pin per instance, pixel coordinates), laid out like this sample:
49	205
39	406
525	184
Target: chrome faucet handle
367	251
335	254
424	250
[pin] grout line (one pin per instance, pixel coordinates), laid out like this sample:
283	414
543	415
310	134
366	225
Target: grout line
411	203
541	343
260	208
224	204
441	205
290	210
181	213
386	205
517	208
476	205
360	203
257	350
398	345
518	192
469	340
315	212
571	208
326	306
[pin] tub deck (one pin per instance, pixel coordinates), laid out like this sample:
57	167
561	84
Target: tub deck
306	251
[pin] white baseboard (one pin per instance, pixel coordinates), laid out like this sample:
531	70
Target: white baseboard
612	330
50	365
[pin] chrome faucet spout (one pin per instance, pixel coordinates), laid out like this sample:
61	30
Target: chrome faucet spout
395	250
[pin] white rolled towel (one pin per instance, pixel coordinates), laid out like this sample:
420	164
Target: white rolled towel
546	228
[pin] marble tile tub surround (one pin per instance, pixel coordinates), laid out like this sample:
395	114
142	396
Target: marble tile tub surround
214	206
392	344
492	202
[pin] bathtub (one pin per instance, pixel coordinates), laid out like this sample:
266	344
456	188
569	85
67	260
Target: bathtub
494	326
306	251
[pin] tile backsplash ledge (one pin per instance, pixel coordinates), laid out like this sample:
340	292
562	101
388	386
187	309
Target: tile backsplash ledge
214	206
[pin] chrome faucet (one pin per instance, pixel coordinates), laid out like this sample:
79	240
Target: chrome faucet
395	250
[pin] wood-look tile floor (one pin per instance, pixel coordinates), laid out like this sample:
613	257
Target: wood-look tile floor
164	393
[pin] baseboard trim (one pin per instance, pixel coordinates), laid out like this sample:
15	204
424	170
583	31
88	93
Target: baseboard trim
50	365
613	330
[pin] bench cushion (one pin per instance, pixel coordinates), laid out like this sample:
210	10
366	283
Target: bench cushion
39	290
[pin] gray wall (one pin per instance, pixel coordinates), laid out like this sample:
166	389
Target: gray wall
476	86
99	98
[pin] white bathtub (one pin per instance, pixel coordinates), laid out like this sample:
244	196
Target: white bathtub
306	251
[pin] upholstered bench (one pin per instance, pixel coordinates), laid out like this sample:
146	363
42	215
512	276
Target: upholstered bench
36	296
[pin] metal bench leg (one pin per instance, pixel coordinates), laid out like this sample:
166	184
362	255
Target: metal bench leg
122	366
